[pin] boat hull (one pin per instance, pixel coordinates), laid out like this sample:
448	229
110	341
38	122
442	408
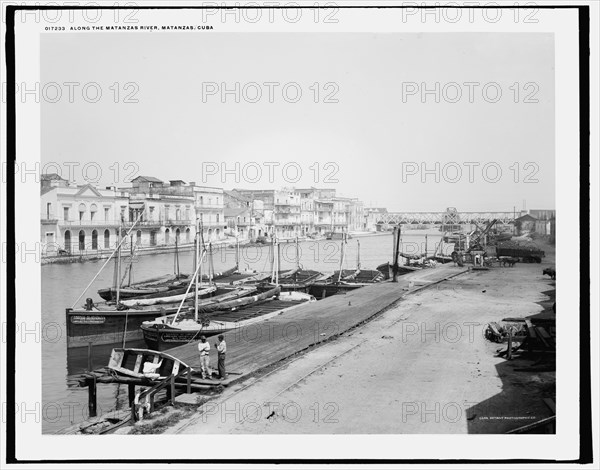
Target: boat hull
324	290
162	339
98	327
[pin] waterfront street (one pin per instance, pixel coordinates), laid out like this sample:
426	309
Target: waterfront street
422	366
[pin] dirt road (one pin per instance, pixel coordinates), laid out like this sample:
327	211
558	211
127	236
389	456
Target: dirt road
421	367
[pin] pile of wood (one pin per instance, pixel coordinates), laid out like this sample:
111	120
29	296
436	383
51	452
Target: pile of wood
521	336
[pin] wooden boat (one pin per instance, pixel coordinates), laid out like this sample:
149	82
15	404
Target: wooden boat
174	330
130	362
345	280
107	323
158	285
337	236
300	280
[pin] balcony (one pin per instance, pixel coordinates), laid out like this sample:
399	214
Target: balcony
90	223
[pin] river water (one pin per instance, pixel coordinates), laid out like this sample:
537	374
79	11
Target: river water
64	403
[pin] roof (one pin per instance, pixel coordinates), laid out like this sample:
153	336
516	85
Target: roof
52	177
149	179
235	211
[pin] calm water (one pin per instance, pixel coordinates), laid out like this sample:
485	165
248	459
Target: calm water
65	403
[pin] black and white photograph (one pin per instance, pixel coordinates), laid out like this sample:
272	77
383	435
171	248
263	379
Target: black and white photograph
300	233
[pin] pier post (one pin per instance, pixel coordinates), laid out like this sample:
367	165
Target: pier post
92	396
189	380
172	390
89	356
131	393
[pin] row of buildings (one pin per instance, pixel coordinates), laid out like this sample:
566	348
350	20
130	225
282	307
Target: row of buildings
84	218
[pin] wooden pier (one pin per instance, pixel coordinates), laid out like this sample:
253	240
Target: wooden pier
265	343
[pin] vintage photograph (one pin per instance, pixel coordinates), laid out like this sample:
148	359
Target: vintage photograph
286	221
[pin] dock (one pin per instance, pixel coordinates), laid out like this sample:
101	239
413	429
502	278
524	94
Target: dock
263	344
259	346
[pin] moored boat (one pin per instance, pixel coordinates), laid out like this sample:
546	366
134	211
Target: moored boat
174	330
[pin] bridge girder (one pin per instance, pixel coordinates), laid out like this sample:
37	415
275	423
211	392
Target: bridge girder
395	218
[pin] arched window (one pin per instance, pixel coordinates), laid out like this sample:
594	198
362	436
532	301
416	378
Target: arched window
93	210
187	235
82	210
81	240
167	236
68	241
177	235
94	239
107	238
138	238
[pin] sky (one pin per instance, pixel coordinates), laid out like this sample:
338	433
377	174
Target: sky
371	133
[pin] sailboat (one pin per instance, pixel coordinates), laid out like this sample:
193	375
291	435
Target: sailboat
345	280
111	322
157	285
214	318
299	279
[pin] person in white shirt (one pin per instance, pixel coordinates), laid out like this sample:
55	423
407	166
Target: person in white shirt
221	350
204	348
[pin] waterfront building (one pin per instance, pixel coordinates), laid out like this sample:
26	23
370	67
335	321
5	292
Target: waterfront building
244	216
79	219
281	210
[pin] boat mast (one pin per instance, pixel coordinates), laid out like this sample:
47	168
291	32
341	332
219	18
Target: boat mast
358	256
211	265
119	265
342	256
130	261
176	259
237	253
272	256
277	267
297	254
198	263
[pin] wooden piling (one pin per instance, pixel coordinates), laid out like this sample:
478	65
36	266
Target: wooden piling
92	404
131	393
89	356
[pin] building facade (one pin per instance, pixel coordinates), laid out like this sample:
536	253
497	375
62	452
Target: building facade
79	219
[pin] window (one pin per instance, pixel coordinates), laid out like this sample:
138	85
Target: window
107	238
106	213
81	211
81	240
94	240
138	238
68	241
217	218
153	238
48	210
65	213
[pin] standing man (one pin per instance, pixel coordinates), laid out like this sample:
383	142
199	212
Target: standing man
204	348
221	350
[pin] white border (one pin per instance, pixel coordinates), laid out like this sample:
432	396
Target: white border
31	444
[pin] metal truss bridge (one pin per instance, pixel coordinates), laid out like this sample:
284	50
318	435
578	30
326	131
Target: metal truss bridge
448	217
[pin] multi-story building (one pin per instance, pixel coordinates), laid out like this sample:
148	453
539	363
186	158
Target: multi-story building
78	219
281	210
166	212
245	217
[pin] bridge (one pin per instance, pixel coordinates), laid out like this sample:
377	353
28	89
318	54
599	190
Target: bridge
450	217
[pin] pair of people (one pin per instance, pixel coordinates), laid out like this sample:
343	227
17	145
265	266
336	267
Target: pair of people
204	349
